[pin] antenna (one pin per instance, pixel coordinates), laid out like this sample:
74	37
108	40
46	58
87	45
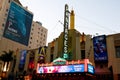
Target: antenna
61	22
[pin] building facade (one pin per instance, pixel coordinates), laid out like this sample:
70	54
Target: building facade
81	46
84	49
37	33
20	39
38	36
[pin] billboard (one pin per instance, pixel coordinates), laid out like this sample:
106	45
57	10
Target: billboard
23	54
61	69
100	49
18	24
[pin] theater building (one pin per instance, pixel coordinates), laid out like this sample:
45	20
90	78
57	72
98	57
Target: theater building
61	69
82	46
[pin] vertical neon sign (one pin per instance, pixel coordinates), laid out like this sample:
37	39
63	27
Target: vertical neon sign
66	23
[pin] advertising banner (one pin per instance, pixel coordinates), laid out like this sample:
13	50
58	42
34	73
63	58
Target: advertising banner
23	54
41	54
18	24
62	69
100	49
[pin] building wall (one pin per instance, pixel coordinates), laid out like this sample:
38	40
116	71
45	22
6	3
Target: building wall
4	8
60	45
38	36
78	49
112	41
73	45
89	48
55	50
48	53
116	56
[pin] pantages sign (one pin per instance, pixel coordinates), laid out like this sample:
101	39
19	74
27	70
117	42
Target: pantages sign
66	24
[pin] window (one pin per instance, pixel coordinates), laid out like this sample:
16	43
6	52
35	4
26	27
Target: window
5	14
31	33
51	57
3	25
118	52
9	1
82	54
41	30
33	25
30	42
41	34
6	10
37	40
44	35
32	29
29	46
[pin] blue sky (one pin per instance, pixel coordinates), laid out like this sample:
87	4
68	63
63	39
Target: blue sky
91	16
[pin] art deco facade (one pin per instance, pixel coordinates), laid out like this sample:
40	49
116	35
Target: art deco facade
81	50
80	46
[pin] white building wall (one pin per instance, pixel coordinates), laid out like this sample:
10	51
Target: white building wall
38	36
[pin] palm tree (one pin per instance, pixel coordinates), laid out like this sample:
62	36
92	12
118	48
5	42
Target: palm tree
6	58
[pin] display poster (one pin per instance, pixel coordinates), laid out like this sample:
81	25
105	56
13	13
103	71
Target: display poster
100	49
18	24
23	54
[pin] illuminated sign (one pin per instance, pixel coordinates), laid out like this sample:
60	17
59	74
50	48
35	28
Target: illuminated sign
100	49
61	69
59	61
66	24
18	24
91	69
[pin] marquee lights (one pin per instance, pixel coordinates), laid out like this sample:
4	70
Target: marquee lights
69	67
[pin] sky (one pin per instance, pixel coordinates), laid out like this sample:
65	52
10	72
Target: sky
94	17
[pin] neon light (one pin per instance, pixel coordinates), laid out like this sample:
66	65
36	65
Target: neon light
66	23
86	62
61	69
